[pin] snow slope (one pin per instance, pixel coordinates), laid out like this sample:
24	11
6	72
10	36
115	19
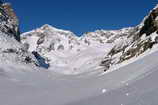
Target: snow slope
133	84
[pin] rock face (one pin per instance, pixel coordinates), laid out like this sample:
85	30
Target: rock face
11	50
142	38
8	21
150	23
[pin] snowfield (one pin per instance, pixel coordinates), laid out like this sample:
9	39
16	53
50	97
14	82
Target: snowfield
81	62
134	84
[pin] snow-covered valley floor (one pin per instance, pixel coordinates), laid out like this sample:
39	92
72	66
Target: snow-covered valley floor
133	84
86	60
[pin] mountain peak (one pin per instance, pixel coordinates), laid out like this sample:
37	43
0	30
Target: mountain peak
156	7
48	27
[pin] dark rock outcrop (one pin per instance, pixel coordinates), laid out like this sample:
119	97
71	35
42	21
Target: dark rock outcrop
150	23
41	60
8	21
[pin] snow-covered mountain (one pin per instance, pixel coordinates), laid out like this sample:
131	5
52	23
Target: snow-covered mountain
99	49
48	38
59	49
64	50
129	55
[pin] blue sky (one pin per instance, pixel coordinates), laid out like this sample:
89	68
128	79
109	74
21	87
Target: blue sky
81	16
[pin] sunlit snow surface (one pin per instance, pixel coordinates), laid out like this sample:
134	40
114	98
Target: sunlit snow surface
133	84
